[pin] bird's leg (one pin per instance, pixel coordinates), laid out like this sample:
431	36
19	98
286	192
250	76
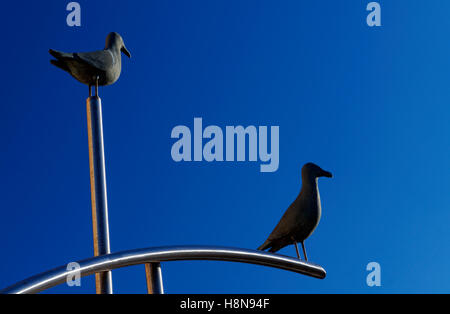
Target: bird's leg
96	86
296	248
304	251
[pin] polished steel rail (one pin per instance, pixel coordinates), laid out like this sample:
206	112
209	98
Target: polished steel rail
109	262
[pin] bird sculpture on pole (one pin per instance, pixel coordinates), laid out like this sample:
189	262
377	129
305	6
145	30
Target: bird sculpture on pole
97	68
302	217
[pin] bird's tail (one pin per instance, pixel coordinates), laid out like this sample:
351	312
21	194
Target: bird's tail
265	246
60	65
60	55
61	59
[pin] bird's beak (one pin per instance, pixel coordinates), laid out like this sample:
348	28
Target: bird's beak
327	174
126	52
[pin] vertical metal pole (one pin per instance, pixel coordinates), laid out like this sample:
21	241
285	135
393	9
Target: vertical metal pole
153	274
98	190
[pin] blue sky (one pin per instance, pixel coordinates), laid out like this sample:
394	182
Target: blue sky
370	105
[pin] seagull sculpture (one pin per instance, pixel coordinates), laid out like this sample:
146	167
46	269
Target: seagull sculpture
302	217
98	68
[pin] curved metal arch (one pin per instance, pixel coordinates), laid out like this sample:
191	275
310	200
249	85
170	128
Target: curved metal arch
113	261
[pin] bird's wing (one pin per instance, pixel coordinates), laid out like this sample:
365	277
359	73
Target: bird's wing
102	59
287	223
